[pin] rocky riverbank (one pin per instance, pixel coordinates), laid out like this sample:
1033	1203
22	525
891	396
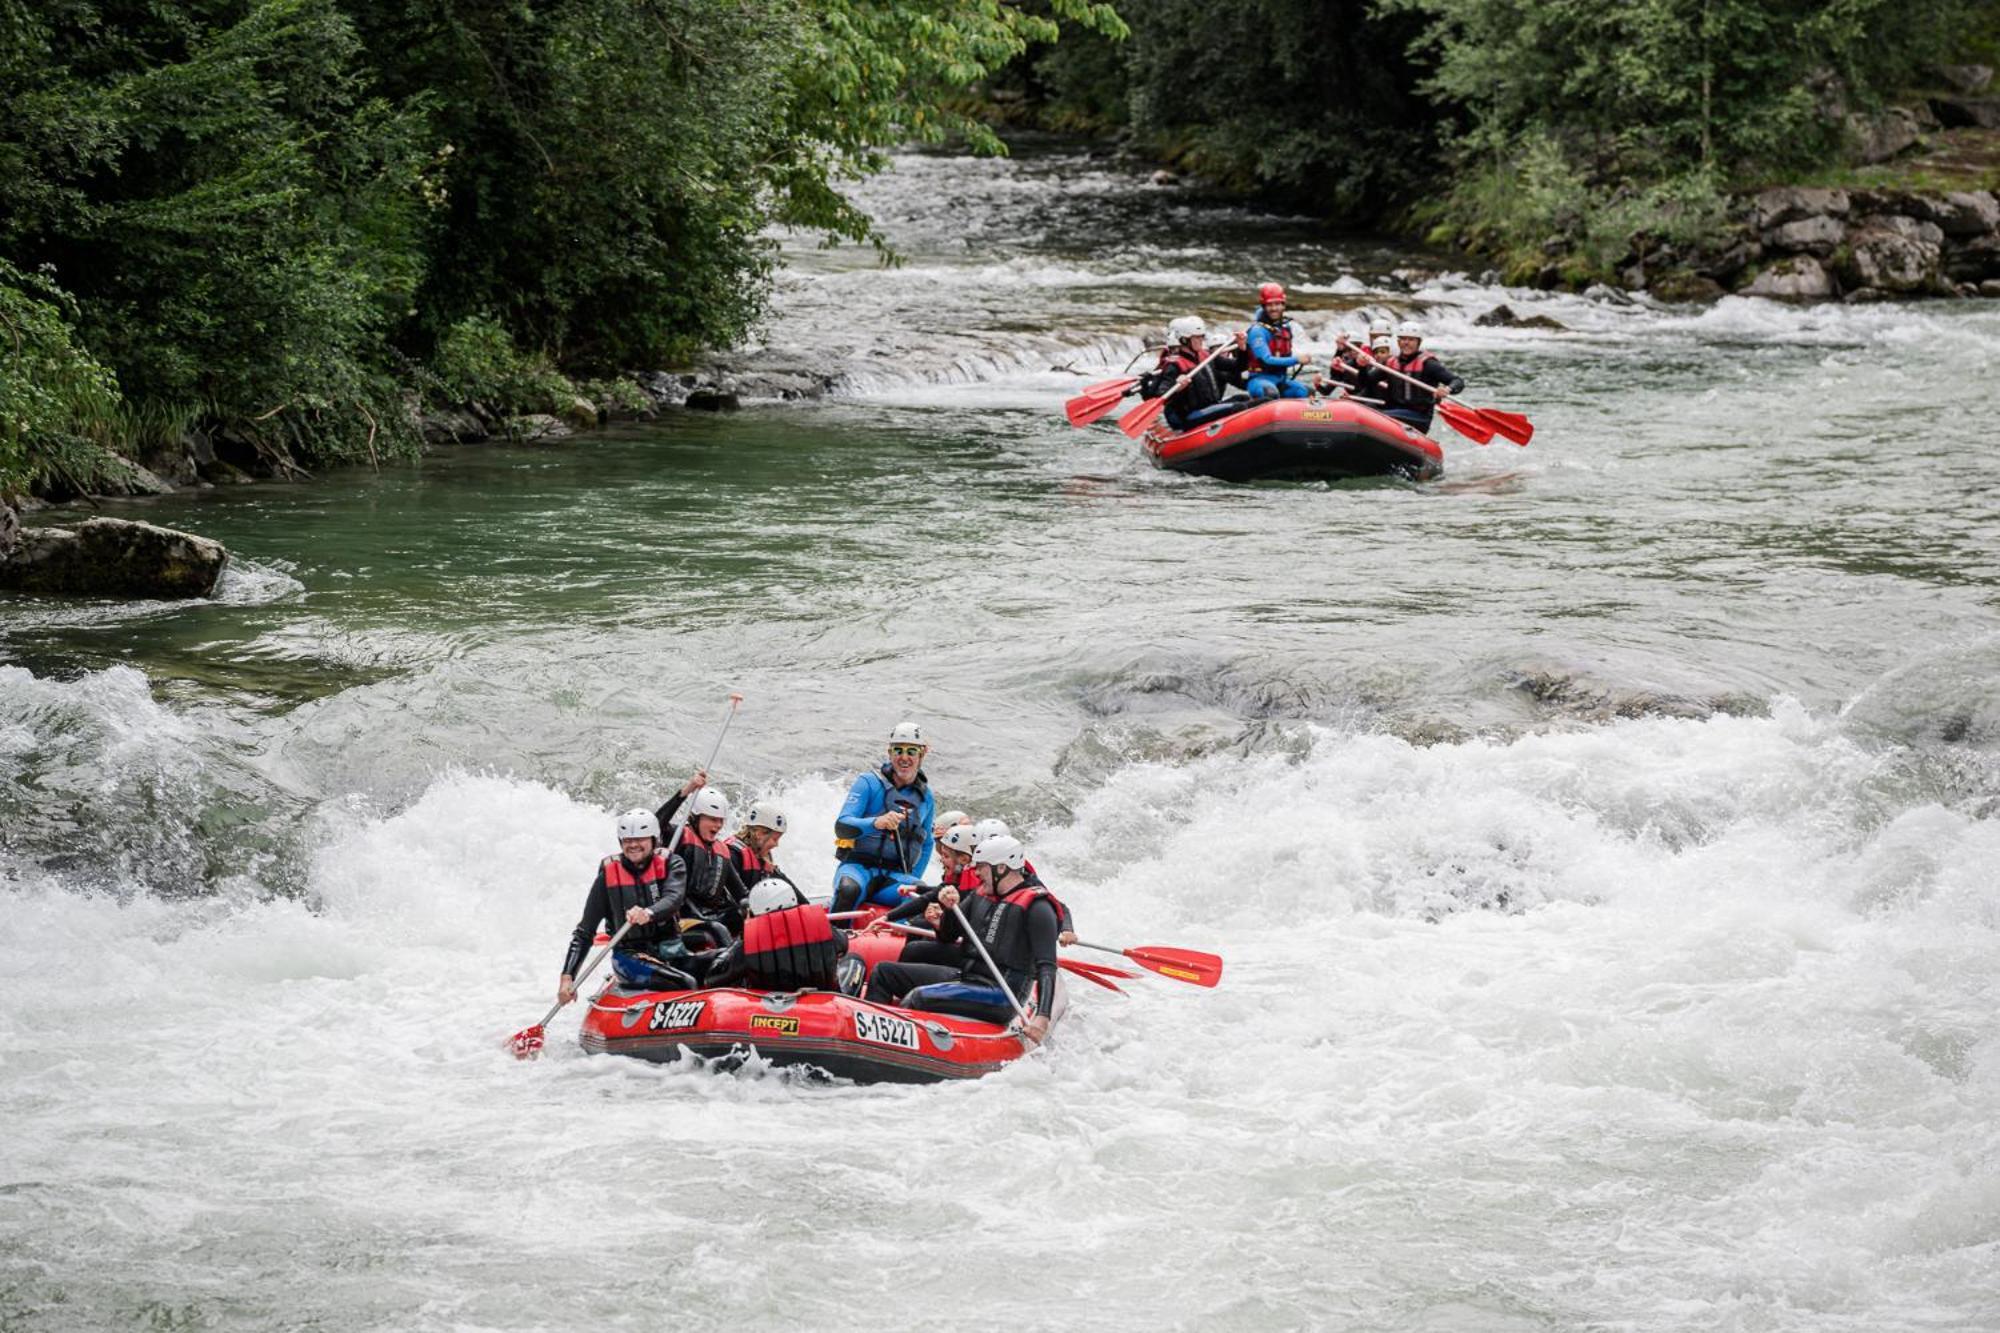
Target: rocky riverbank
1805	244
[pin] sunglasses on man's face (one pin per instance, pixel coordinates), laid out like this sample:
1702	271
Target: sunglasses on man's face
906	749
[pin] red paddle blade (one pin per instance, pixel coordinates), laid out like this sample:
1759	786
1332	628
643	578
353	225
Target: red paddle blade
1199	969
1141	418
1123	382
1089	405
1068	965
527	1043
1466	423
1102	969
1510	424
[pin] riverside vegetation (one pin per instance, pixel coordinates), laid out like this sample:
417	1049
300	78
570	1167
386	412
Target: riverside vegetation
271	233
280	223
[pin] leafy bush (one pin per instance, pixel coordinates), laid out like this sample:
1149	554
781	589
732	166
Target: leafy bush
58	404
477	362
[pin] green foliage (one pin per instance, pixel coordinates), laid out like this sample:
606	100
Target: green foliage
272	212
235	215
875	73
57	403
477	362
1608	125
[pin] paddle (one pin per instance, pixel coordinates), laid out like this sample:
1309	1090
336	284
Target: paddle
1200	969
528	1042
1093	972
1098	400
999	977
1136	422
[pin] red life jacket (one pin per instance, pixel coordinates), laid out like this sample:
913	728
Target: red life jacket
1281	345
1178	359
793	949
624	889
747	862
618	872
1401	394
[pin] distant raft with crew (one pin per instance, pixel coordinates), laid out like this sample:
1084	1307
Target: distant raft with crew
1300	439
1369	415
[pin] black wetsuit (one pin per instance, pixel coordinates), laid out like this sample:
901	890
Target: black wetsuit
1203	399
608	905
712	888
1405	401
1022	941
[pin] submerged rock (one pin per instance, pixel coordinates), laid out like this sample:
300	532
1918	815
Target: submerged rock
113	557
1503	317
1681	285
1576	695
537	428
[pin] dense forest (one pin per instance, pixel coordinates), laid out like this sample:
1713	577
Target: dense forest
302	216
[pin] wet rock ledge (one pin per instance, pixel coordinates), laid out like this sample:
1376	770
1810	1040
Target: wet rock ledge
107	557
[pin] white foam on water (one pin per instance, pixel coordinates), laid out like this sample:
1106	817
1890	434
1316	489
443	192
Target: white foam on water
1653	1025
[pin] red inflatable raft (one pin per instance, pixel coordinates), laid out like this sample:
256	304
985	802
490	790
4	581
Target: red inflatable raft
825	1030
1304	439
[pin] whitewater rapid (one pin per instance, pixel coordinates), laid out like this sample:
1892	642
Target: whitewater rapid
1601	843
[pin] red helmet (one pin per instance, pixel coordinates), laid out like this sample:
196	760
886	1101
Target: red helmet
1270	292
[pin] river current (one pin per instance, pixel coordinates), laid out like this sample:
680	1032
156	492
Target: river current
1604	841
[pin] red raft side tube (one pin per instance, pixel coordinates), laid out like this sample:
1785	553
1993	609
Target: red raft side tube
845	1037
1301	439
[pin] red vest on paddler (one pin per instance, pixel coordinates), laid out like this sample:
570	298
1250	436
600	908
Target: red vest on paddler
618	872
625	889
791	950
1281	344
747	861
1400	393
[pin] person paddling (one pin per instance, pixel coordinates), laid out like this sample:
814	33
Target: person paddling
1268	347
755	843
1199	391
641	886
1016	917
881	836
1403	400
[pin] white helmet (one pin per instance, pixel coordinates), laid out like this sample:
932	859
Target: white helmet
948	821
1409	328
1379	324
765	813
770	894
906	733
1186	327
960	838
988	828
708	801
638	824
1001	850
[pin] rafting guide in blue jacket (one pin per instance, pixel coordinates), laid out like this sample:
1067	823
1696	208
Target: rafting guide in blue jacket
882	835
1268	342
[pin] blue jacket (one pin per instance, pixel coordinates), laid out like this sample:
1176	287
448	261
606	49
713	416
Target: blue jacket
1258	337
856	840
